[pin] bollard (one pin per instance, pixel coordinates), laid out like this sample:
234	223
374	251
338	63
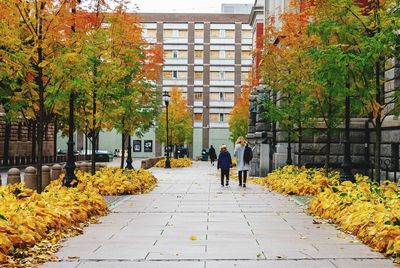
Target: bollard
55	172
45	176
30	178
86	166
13	176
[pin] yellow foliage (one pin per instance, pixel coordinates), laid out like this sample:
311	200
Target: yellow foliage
299	181
369	211
116	181
32	225
180	162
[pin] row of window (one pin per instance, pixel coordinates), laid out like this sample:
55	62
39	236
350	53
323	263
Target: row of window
216	96
198	75
198	33
214	117
214	54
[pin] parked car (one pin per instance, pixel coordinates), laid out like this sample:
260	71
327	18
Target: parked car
101	155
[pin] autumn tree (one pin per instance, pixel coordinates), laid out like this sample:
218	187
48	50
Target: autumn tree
179	120
239	116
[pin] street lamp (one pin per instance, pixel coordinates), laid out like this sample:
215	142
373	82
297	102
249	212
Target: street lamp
129	158
345	169
70	165
166	99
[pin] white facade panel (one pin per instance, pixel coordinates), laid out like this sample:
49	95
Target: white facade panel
174	68
222	47
198	89
198	104
219	125
199	25
198	61
198	68
247	62
220	110
230	26
222	89
175	47
175	82
222	83
172	61
222	41
222	62
150	25
175	25
198	47
222	104
198	82
222	68
175	40
197	124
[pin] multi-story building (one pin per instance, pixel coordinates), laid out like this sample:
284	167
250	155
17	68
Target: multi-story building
207	57
270	143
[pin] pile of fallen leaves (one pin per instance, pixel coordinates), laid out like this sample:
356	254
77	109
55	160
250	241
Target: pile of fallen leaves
32	224
369	211
299	180
175	163
116	181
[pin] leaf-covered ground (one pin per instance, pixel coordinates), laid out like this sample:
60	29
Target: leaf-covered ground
32	225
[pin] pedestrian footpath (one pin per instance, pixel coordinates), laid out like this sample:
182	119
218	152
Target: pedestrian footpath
190	221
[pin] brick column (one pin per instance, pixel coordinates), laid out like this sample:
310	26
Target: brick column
238	59
206	86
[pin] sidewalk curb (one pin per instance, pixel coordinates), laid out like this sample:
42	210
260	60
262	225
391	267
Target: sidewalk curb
115	204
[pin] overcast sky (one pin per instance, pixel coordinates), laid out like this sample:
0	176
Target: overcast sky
181	6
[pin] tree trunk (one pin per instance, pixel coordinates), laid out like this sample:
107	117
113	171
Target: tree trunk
94	138
55	141
86	143
327	151
123	150
34	140
299	162
377	150
7	137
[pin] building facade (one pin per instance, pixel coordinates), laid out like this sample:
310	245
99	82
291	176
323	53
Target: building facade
270	143
207	57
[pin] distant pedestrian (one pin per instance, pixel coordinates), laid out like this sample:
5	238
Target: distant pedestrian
224	163
243	155
212	154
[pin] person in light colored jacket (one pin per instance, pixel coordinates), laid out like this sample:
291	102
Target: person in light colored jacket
241	165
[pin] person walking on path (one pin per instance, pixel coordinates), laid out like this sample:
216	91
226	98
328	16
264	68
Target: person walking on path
241	153
212	154
224	163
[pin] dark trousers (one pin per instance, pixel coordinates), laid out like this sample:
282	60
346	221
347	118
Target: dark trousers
224	173
242	174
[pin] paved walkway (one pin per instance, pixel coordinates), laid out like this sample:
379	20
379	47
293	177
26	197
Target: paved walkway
234	227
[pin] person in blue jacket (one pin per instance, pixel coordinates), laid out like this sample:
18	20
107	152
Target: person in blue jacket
224	163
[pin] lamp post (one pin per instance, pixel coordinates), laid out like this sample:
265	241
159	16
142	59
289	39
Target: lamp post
70	165
166	98
129	158
345	169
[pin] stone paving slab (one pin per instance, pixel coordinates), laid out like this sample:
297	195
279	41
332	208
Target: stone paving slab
232	227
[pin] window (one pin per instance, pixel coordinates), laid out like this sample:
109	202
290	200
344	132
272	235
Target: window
230	54
229	76
221	96
175	33
198	54
222	33
247	54
221	75
198	117
167	75
198	33
229	96
214	33
221	117
198	96
214	117
222	54
229	34
168	33
175	54
175	74
198	75
214	54
182	75
214	96
150	33
246	34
